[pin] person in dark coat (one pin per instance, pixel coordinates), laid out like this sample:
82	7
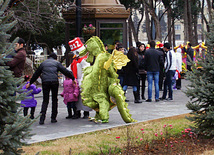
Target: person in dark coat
18	62
161	73
189	52
142	71
131	71
49	75
153	59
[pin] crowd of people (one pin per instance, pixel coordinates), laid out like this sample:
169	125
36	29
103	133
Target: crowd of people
159	63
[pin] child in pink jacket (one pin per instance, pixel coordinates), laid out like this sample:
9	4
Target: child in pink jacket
70	94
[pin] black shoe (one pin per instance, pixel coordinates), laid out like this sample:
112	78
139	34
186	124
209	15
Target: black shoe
149	100
162	98
31	117
68	117
41	122
53	120
169	99
85	117
143	98
75	117
42	119
137	101
157	100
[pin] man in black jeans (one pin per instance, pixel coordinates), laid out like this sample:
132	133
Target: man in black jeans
49	75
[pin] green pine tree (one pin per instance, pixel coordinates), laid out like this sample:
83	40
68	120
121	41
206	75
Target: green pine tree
14	128
201	91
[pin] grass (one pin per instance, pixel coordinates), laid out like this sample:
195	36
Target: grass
137	137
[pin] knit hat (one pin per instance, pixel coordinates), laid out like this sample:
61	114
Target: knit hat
53	55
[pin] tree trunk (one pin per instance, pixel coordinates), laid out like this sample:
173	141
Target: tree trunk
148	30
186	35
169	20
173	32
195	23
130	33
131	25
189	16
202	20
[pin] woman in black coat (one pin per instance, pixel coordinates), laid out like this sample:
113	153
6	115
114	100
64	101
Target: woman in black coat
131	72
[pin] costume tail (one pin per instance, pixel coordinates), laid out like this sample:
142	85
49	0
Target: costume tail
117	93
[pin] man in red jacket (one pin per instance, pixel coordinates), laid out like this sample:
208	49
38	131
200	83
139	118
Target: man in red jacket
18	62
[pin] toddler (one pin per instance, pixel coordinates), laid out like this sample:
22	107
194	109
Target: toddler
31	102
70	94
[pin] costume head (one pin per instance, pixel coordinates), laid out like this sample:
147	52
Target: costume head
94	46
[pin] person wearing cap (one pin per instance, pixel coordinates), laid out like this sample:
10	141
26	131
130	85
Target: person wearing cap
170	68
49	75
18	62
153	59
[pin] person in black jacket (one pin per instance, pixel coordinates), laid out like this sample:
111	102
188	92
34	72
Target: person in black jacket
131	71
189	52
153	59
49	75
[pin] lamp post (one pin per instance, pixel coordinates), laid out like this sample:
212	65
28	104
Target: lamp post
78	18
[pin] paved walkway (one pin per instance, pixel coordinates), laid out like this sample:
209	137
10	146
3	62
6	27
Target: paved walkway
141	112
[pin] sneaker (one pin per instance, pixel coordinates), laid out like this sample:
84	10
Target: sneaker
149	100
53	120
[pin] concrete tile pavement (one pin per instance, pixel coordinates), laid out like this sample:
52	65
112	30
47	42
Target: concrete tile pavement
141	112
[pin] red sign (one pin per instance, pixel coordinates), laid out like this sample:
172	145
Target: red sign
75	44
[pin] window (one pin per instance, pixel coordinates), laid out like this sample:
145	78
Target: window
177	37
111	32
177	27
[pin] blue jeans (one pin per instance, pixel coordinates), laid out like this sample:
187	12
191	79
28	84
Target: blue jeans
150	76
133	87
168	84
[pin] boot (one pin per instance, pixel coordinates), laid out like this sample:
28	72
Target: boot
136	97
25	111
76	114
86	115
42	119
69	113
32	112
125	96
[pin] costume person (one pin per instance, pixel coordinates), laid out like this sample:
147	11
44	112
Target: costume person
77	66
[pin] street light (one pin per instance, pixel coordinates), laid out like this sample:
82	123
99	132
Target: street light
78	17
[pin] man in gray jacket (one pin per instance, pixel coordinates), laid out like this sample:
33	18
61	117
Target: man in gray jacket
49	75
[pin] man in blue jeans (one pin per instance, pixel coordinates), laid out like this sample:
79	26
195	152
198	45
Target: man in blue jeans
153	60
170	68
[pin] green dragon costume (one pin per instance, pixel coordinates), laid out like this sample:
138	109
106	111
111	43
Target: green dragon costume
101	90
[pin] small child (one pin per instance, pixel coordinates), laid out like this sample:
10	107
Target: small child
70	94
30	103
